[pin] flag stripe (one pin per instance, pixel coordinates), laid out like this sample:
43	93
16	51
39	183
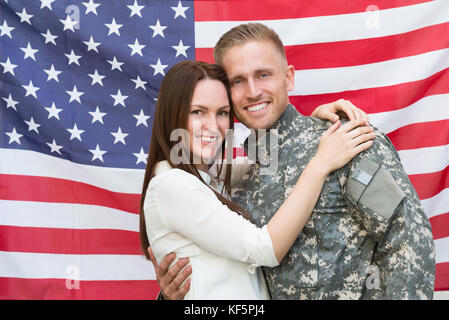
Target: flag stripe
32	188
442	254
442	276
69	241
63	289
236	10
440	226
428	185
436	205
425	160
334	28
357	52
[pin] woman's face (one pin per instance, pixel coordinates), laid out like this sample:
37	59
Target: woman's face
208	119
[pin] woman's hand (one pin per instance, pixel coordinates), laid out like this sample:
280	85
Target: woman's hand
329	111
340	143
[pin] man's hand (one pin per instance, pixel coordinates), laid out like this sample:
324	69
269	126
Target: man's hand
170	280
329	111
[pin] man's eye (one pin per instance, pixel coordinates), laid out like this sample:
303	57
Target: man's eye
263	75
236	82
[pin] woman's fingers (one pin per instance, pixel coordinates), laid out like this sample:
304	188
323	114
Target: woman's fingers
349	126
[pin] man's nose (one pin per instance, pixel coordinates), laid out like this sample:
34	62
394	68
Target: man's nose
253	91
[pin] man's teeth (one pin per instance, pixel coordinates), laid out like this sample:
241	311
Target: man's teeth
209	139
257	107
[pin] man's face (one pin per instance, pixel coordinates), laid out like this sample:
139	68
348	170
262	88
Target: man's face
260	81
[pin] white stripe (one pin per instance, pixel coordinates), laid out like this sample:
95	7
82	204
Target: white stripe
437	205
442	250
25	162
431	108
63	266
441	295
65	215
385	73
425	160
337	27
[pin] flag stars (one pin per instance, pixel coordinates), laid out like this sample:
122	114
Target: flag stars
158	29
73	58
141	118
113	27
119	136
91	45
24	16
115	64
136	48
10	103
54	147
49	37
119	98
97	115
47	3
69	24
75	94
14	136
5	29
29	52
139	83
180	10
97	153
96	78
91	7
8	66
30	89
181	49
53	111
32	126
52	73
159	67
141	156
135	9
75	133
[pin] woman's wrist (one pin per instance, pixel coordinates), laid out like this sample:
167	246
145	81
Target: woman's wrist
319	168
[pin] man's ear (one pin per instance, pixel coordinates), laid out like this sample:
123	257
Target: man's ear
290	78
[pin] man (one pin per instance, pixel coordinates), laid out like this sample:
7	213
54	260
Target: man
368	236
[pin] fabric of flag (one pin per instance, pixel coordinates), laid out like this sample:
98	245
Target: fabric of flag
78	84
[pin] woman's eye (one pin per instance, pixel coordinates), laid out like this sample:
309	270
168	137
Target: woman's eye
224	113
196	112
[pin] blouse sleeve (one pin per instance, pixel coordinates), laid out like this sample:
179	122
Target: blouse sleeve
191	209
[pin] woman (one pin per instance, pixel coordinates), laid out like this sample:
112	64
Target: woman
184	208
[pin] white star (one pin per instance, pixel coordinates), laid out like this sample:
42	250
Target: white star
75	133
115	64
113	27
14	136
91	7
30	89
158	67
91	45
53	111
73	58
32	125
136	48
180	10
119	98
69	24
29	52
10	103
141	156
47	3
158	29
181	49
8	66
96	78
54	147
97	153
139	83
141	118
97	115
24	16
49	37
6	29
135	9
75	94
119	136
52	73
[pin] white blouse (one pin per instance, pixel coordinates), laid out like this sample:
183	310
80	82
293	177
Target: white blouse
184	216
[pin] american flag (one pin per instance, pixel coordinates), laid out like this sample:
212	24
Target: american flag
78	83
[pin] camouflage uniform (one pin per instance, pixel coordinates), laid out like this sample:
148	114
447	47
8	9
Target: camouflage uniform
368	217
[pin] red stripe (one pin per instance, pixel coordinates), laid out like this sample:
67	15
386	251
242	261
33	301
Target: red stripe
358	52
56	289
428	185
442	277
421	135
238	10
379	99
69	241
440	226
43	189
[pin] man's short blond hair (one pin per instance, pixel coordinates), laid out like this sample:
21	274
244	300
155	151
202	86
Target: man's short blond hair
244	33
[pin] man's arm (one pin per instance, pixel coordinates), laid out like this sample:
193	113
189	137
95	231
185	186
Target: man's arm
170	279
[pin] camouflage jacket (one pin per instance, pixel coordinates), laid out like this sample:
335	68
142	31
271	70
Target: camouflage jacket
368	236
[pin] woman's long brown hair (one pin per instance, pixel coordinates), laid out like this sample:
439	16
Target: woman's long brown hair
172	110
